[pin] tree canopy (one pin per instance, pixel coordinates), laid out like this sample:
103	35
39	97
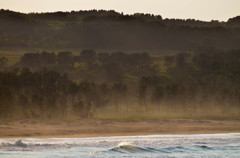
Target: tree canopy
100	29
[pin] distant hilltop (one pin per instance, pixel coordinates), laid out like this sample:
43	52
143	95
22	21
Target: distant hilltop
101	29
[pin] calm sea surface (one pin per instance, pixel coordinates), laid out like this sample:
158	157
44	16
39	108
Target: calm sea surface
202	145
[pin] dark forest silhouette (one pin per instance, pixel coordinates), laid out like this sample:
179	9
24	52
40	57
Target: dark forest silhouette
99	29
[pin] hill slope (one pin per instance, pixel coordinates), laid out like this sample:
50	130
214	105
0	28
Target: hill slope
111	30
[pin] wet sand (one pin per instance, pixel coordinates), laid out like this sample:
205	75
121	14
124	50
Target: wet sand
99	128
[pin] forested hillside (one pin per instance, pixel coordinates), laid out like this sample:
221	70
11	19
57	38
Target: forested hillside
111	71
109	30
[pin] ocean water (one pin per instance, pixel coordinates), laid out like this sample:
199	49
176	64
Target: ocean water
183	146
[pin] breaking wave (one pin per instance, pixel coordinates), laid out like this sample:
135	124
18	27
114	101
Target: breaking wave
129	148
20	145
17	143
225	145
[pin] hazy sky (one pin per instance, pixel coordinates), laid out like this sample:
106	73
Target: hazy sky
198	9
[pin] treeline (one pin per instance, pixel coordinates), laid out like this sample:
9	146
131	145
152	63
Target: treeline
205	81
45	94
89	65
199	83
109	30
37	87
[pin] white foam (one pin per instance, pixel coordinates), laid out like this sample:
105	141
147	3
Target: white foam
108	142
125	143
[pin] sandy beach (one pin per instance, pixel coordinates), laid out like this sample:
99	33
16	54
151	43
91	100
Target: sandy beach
99	128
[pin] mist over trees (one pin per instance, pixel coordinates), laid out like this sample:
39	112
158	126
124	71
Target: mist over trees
61	85
201	78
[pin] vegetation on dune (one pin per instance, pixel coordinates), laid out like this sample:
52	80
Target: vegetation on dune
65	86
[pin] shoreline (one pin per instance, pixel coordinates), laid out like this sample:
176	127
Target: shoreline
108	128
107	136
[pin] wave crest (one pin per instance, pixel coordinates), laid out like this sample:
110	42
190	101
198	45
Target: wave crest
126	147
17	143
